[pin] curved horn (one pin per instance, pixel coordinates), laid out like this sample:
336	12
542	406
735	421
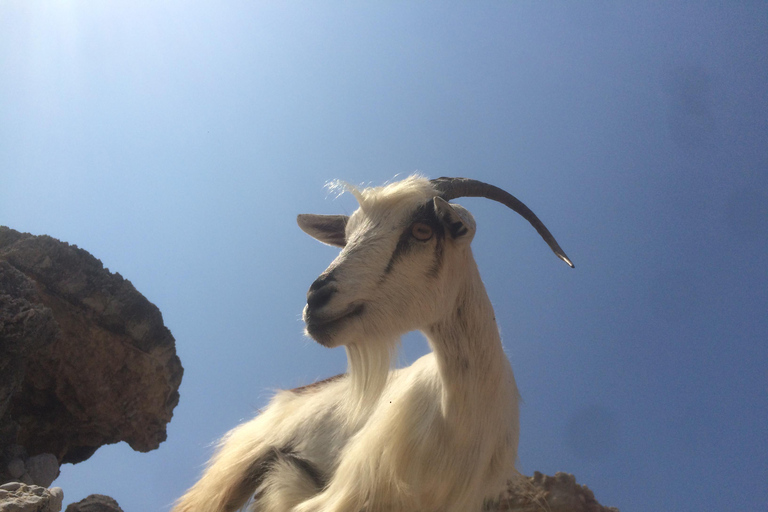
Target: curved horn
451	188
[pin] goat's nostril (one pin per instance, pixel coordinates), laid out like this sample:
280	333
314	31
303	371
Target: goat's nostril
321	281
320	296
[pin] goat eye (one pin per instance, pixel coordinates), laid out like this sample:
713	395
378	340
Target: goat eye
421	231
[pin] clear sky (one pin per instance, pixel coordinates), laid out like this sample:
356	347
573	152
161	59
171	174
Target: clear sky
177	141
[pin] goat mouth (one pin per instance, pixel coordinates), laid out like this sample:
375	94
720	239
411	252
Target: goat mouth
321	328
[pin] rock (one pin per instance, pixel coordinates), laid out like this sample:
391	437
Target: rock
16	468
57	498
26	326
17	497
559	493
95	503
85	359
43	468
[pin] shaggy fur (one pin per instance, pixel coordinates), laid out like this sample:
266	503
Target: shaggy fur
439	435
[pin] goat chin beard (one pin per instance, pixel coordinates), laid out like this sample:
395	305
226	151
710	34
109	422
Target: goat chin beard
368	362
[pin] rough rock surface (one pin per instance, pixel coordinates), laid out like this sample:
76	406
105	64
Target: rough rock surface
39	470
26	326
17	497
542	493
95	503
85	359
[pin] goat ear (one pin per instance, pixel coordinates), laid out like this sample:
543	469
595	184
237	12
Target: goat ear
329	229
456	219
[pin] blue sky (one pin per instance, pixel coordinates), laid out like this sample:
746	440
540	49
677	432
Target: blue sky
177	141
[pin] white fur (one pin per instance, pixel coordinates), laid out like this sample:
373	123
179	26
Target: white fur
439	435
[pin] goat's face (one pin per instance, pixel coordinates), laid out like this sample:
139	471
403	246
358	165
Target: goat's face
398	269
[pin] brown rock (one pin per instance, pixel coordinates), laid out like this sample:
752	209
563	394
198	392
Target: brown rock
26	325
90	358
542	493
95	503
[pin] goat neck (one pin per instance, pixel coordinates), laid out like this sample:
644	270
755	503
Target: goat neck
473	368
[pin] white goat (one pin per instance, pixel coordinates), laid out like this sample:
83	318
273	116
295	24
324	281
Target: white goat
439	435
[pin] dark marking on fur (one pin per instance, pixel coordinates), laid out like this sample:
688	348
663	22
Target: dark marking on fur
437	260
424	214
315	386
261	468
308	468
402	247
252	480
457	229
288	453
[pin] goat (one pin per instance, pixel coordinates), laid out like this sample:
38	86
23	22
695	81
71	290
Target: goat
439	435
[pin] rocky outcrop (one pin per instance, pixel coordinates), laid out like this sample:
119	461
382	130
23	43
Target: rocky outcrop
542	493
85	359
17	497
95	503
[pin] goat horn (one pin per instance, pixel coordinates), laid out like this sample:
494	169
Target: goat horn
451	188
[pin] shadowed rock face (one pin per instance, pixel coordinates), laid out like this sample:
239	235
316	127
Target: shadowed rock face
85	359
